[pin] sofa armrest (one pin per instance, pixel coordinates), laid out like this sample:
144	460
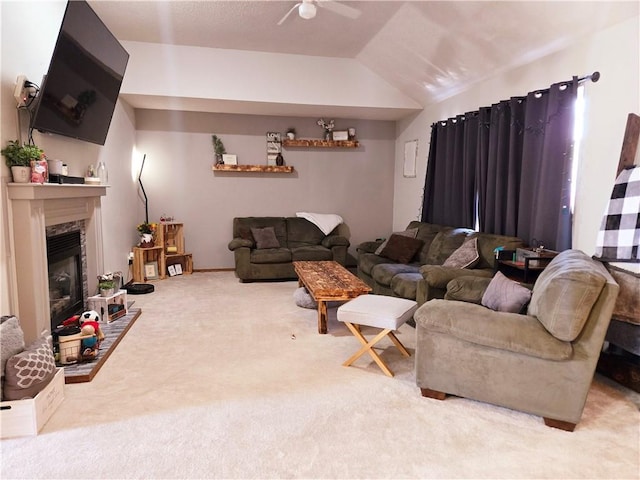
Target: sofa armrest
468	289
335	241
239	242
369	247
439	276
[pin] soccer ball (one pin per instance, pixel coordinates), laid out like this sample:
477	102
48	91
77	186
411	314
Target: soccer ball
90	315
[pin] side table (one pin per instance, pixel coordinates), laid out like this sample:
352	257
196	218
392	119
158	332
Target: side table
525	264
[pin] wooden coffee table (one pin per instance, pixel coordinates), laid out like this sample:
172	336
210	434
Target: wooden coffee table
328	281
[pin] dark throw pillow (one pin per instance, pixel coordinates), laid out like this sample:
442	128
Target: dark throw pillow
411	232
265	237
466	256
505	295
401	249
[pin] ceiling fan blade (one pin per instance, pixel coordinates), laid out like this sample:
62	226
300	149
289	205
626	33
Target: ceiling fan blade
340	8
289	13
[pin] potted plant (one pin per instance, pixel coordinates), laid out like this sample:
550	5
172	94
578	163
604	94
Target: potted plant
218	148
106	284
147	232
19	157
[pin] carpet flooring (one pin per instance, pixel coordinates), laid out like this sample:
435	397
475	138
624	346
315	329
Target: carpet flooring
219	379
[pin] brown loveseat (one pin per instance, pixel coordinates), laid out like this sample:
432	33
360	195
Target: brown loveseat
295	239
421	276
541	362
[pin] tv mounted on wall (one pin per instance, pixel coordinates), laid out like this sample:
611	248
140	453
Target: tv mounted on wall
80	91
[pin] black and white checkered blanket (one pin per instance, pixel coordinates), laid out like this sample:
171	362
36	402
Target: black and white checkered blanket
619	236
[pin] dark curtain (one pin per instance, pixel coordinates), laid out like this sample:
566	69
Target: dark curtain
449	187
513	161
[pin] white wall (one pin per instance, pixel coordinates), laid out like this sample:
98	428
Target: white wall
615	53
36	39
354	183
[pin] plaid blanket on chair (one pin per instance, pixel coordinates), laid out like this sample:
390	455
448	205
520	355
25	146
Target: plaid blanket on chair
619	236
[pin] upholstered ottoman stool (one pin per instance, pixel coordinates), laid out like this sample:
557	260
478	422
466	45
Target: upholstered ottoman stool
379	311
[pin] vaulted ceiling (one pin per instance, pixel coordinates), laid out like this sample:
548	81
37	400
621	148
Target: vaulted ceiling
427	49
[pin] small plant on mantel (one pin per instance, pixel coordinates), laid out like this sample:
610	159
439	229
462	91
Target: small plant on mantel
18	155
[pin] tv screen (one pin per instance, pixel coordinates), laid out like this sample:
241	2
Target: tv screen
79	93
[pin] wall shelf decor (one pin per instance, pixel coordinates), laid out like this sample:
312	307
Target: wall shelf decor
318	143
253	168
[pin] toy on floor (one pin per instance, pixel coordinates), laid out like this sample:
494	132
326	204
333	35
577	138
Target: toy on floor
92	334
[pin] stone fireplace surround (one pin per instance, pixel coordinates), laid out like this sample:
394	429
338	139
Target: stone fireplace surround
33	208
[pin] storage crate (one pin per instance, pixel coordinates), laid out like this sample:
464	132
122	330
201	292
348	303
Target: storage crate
101	305
27	417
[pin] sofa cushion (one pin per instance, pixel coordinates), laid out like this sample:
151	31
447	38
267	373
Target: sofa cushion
466	256
311	253
439	276
383	273
301	232
270	255
265	237
411	232
504	295
445	243
401	249
325	222
467	289
366	262
502	330
242	227
405	285
11	339
565	293
427	233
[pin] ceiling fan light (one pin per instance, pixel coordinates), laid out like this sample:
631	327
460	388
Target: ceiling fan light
307	10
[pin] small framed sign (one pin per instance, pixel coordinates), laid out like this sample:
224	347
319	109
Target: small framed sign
410	155
151	270
229	159
340	135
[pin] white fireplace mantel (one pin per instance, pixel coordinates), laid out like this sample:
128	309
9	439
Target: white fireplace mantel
33	207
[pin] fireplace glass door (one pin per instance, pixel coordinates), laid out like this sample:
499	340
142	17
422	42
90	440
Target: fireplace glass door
65	277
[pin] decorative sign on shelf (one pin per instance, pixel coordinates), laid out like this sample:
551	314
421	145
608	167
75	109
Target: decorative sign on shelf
274	147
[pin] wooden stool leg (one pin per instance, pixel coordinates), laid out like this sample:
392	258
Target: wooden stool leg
399	344
368	347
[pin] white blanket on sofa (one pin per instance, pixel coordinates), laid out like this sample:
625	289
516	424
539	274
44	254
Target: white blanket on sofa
324	221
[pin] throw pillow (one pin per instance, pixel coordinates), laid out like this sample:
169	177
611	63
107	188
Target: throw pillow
411	232
11	339
505	295
401	249
28	372
265	237
466	256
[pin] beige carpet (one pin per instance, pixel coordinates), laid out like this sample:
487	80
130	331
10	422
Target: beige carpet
219	379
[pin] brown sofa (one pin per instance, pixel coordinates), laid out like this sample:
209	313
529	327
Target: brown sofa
541	362
297	239
423	276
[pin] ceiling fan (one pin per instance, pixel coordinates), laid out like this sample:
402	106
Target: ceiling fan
307	9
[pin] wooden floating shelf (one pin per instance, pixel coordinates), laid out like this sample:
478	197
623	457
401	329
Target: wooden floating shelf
253	168
310	142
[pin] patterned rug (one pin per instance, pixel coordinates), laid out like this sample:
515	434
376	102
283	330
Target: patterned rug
113	333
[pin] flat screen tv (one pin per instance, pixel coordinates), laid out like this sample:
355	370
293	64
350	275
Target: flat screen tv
80	91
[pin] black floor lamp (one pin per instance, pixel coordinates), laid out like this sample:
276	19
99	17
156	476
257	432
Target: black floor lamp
146	201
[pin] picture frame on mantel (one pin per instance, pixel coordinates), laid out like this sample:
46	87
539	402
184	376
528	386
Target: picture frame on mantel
410	156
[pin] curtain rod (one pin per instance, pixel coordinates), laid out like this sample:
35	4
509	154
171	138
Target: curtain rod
594	77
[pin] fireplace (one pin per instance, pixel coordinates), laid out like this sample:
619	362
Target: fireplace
36	210
64	262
